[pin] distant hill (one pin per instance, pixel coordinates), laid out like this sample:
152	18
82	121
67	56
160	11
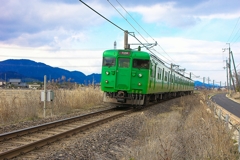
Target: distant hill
29	70
200	84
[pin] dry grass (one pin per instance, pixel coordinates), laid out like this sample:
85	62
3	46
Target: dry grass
22	105
187	132
236	96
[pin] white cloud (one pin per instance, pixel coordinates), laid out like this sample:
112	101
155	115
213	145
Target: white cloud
55	33
21	22
171	14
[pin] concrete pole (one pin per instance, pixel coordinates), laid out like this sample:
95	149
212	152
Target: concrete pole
227	75
126	39
45	96
203	81
237	82
229	69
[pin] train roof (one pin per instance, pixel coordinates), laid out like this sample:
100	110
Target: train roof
133	53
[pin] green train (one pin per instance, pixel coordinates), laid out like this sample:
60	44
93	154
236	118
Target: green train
131	77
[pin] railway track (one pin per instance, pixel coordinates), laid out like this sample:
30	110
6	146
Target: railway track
18	142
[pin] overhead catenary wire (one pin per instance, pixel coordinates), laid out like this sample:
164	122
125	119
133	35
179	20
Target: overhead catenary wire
235	39
233	30
132	27
129	33
126	20
144	30
102	16
112	22
138	33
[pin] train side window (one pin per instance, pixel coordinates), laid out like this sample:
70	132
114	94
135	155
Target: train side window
140	63
153	70
166	75
163	74
109	61
169	76
123	62
159	73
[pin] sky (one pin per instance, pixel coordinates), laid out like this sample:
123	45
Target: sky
196	35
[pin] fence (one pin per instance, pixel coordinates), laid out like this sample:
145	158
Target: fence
231	121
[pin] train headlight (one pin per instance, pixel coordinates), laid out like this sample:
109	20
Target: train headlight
139	84
140	75
107	73
106	81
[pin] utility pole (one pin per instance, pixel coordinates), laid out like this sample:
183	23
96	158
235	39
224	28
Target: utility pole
230	72
213	84
5	81
208	81
203	81
115	45
227	75
229	68
45	96
126	46
237	81
171	83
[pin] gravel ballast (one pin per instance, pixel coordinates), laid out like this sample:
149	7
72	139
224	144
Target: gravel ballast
108	141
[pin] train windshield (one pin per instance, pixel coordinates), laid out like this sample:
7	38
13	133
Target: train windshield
140	63
109	61
123	62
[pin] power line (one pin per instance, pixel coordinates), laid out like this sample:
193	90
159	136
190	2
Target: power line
117	26
235	36
207	70
233	30
143	30
102	16
127	20
137	32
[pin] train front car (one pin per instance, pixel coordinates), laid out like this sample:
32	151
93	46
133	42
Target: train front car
125	77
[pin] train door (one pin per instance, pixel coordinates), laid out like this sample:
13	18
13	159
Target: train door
153	75
163	78
123	74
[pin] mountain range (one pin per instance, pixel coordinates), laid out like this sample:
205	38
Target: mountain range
200	84
30	71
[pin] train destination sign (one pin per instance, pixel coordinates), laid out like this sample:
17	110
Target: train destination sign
124	53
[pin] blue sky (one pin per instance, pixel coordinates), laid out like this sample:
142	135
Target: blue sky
67	34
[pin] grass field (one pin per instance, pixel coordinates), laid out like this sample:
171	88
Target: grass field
22	105
189	131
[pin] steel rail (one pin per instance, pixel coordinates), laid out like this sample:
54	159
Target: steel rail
25	131
37	144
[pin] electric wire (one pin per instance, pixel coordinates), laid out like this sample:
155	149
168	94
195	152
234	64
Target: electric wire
144	30
233	30
235	36
126	20
102	16
130	25
115	25
138	33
